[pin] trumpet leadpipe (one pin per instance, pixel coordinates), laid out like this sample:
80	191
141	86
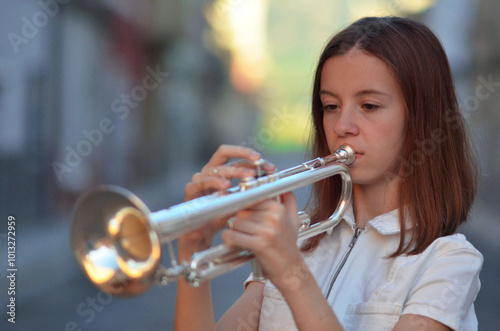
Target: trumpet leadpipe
178	220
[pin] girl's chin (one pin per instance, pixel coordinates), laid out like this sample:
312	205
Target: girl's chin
366	181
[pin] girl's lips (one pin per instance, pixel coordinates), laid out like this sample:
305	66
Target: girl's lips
358	155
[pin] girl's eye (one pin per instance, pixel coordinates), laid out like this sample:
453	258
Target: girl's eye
370	107
330	108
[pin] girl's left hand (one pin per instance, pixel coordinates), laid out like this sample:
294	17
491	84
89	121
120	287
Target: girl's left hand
269	229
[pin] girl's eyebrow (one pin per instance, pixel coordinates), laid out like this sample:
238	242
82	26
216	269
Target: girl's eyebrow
322	92
360	93
371	91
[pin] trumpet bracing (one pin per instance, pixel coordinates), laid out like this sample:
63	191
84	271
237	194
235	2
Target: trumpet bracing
117	240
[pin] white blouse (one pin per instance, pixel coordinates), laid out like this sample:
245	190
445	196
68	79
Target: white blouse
371	291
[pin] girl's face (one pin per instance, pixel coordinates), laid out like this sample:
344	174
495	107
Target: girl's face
363	106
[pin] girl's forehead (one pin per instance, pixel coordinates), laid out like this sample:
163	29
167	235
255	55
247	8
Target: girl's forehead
357	70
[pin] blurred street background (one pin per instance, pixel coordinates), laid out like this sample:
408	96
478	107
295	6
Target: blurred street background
140	93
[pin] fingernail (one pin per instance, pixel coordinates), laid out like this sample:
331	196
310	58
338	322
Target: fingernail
249	172
255	154
270	165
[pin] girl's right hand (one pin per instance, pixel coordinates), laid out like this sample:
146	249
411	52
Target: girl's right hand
216	176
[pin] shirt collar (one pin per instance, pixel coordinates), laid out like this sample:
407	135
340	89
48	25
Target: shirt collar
385	224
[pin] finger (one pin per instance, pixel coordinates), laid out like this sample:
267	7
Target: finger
238	239
266	165
228	171
265	223
245	226
201	177
206	185
269	205
274	210
226	152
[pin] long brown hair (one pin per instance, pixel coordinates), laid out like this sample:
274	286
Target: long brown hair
437	171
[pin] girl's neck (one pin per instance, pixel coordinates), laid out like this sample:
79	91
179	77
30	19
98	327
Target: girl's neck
370	201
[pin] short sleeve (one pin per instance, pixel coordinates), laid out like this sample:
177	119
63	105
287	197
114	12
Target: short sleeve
445	291
251	279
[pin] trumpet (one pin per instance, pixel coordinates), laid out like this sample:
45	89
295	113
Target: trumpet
117	240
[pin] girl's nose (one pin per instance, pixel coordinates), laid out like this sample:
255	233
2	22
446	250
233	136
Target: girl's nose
346	123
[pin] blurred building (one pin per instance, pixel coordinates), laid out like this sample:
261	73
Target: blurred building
117	92
123	92
486	117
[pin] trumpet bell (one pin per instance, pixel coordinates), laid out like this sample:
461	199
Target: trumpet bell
114	242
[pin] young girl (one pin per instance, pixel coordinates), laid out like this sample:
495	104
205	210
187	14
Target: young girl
395	261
